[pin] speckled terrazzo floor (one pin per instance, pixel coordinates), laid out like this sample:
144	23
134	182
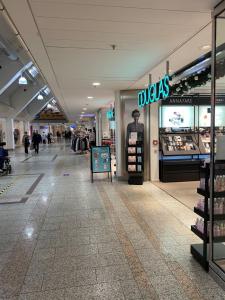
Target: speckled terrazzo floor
75	240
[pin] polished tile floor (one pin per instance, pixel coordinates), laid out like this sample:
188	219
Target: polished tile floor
65	238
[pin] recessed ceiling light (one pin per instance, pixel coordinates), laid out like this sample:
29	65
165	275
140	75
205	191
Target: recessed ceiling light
96	84
85	108
90	97
206	47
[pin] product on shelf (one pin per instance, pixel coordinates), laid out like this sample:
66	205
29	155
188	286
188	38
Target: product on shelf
132	158
200	225
219	183
132	142
219	206
131	150
201	204
219	229
139	150
139	159
139	168
132	168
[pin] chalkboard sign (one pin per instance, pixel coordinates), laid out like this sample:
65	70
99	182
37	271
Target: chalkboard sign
101	160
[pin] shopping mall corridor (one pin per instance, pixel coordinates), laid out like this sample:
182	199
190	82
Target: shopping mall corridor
63	237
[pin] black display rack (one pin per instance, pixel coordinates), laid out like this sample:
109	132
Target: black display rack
135	176
201	251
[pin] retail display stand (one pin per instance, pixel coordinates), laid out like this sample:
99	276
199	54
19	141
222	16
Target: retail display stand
101	161
135	163
202	227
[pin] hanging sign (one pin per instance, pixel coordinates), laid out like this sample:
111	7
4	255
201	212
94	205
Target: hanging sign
155	92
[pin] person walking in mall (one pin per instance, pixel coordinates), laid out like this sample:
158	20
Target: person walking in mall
49	138
26	142
36	140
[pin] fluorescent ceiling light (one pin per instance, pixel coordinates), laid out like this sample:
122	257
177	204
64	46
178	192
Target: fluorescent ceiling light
40	97
96	83
33	71
47	91
22	80
90	97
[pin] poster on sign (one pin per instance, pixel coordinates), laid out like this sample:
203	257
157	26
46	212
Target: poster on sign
101	160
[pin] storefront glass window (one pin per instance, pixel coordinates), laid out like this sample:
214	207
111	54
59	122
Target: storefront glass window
218	157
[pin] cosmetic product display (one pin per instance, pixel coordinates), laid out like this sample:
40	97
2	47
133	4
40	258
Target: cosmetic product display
132	158
179	144
200	225
219	229
131	150
219	183
212	214
201	204
219	206
131	168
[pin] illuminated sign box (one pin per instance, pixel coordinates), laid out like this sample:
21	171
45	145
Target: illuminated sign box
110	114
155	92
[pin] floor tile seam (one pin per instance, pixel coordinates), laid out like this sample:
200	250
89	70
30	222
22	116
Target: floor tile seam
154	240
43	291
172	196
121	231
32	254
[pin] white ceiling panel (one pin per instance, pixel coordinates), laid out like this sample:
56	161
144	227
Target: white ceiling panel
71	42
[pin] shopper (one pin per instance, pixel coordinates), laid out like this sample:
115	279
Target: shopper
49	138
44	138
91	138
36	140
26	142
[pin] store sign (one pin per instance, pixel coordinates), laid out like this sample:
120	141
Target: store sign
180	100
155	92
110	114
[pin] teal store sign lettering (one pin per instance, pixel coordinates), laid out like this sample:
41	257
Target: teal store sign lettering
155	92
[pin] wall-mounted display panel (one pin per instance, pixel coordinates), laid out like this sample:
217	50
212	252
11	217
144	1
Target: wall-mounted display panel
177	116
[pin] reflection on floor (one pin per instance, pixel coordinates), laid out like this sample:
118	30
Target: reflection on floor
185	192
75	240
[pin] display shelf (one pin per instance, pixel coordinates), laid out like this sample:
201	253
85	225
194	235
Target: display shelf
199	233
219	217
201	213
179	144
135	176
219	239
198	253
207	194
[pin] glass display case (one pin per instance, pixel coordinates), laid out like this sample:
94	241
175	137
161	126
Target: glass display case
179	144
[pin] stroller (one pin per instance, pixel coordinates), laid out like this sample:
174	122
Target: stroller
5	166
